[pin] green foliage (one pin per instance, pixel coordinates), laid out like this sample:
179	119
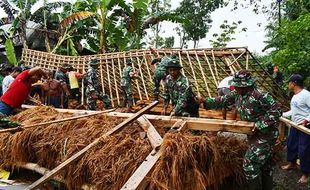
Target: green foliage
197	16
292	43
169	42
226	35
10	52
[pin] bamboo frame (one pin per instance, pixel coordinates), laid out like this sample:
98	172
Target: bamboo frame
197	66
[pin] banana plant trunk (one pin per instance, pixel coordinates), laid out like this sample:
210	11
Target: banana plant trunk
103	38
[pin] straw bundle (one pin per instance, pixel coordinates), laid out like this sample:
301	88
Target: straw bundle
197	162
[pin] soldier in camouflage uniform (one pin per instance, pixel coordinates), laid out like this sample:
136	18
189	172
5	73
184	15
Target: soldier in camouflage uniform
127	76
260	108
177	88
160	73
92	88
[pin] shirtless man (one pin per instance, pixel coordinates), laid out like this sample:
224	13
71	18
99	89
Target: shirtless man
52	92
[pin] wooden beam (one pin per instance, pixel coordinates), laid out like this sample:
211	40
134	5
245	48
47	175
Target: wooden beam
151	132
137	179
197	123
55	121
192	123
74	157
299	127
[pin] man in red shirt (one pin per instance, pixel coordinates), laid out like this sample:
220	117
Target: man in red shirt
19	90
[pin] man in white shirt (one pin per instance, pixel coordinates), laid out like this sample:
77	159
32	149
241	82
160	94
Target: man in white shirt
298	142
10	78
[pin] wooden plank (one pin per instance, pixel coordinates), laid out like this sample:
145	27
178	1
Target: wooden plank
151	132
299	127
74	157
137	179
282	127
55	121
142	78
197	123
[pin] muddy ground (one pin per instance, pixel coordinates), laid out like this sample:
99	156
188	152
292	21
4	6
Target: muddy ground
287	180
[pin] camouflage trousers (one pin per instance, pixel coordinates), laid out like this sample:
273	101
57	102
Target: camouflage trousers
92	102
127	96
158	76
258	157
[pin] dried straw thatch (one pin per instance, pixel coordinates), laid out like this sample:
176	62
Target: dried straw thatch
187	162
107	166
197	162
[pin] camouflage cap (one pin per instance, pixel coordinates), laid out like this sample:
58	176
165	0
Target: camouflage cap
93	62
242	78
173	63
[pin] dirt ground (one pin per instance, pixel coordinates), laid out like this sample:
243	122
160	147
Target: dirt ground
287	180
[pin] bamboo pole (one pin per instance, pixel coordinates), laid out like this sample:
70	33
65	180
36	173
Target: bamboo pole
83	86
109	82
203	75
211	70
22	127
147	66
247	61
136	80
77	155
101	78
115	83
215	67
194	75
142	78
295	125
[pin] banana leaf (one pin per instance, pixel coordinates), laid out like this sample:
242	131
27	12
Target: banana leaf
10	52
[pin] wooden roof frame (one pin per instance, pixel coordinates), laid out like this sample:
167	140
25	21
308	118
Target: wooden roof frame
205	68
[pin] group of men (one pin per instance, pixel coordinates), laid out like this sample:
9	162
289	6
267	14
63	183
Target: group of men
252	104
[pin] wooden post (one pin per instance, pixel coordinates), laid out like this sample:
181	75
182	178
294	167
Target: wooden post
282	128
74	157
137	82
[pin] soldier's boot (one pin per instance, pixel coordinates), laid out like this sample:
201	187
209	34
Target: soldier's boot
267	181
255	184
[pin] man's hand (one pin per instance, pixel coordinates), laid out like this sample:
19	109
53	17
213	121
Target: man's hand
200	99
304	122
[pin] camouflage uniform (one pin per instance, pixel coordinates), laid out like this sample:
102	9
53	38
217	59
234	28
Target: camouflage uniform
180	93
126	85
93	89
160	73
261	109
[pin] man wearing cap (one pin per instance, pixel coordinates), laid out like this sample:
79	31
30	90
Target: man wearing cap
92	87
260	108
160	73
177	88
298	142
127	75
